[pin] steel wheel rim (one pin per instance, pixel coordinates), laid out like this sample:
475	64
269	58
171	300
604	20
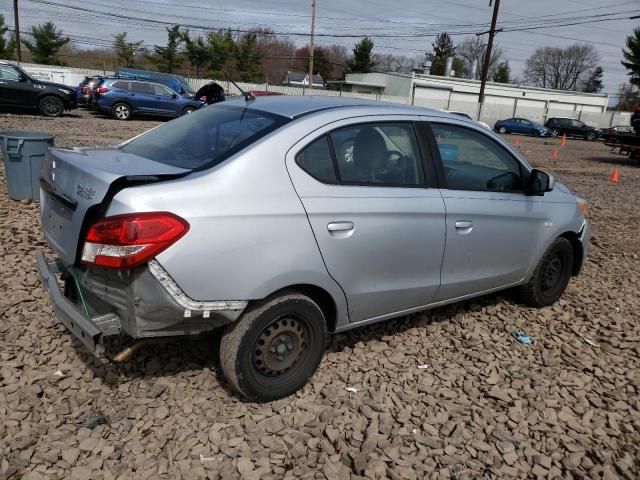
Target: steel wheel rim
280	346
51	105
122	111
552	272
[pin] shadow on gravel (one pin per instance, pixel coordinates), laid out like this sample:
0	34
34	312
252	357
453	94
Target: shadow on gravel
167	357
32	111
617	160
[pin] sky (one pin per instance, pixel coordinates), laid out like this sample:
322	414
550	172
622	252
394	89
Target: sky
400	27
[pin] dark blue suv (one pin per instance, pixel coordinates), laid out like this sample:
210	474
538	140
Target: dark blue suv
123	98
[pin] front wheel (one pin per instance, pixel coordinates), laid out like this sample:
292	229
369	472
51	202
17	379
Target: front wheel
502	130
591	136
51	106
551	276
536	133
188	110
121	111
275	347
555	132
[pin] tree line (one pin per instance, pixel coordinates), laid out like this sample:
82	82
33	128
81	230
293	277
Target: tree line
261	56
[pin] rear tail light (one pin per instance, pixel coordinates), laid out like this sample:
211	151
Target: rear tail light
102	90
126	241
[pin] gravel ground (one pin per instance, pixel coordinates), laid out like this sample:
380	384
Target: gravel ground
446	394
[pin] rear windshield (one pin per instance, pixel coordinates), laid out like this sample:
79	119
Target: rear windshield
204	138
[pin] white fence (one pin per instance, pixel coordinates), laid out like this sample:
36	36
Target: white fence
489	113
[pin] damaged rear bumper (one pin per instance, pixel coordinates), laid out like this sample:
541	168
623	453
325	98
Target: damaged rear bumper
142	303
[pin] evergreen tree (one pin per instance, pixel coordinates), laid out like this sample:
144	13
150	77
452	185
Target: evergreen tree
7	47
502	73
632	56
198	51
248	58
442	49
363	59
168	58
126	51
222	49
594	82
47	41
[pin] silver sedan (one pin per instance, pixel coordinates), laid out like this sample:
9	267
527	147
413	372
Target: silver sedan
283	219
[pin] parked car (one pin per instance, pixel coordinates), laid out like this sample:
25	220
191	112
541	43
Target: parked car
521	125
19	90
610	134
253	216
125	98
85	90
469	117
177	83
571	128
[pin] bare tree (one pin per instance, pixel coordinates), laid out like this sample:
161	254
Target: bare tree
396	63
472	50
561	68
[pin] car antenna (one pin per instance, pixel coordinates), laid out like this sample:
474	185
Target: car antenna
248	96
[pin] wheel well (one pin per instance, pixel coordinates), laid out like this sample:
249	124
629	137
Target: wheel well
576	247
49	94
322	298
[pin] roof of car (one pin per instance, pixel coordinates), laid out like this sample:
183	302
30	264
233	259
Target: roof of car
295	106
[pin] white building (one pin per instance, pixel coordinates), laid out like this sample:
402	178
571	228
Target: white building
457	94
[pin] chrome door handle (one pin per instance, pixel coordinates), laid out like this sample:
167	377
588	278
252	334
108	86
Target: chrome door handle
340	226
3	83
464	226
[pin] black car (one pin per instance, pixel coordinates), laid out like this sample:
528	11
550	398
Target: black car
85	90
611	134
571	128
19	90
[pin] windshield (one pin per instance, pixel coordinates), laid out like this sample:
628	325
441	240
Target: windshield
204	138
185	85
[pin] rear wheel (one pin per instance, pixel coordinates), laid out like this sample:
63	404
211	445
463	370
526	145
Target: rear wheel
121	111
51	106
275	347
551	276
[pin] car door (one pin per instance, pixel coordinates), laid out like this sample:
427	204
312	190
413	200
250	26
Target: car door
492	226
526	126
379	226
516	125
143	97
166	101
15	89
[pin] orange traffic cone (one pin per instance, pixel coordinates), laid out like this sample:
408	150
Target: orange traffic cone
563	142
615	176
554	152
517	140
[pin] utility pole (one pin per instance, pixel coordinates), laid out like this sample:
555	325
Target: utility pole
311	45
16	29
487	56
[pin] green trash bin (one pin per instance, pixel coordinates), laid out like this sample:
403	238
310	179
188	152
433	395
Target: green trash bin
23	154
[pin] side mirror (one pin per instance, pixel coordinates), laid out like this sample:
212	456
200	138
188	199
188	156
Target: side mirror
174	95
539	182
22	78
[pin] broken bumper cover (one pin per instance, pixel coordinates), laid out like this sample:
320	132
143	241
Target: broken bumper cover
142	303
82	327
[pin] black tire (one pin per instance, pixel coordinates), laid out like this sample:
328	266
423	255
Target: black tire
591	136
536	133
188	110
555	132
51	106
275	347
503	130
551	276
121	111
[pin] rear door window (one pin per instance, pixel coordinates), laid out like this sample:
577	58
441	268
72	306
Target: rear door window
206	137
120	84
141	87
316	159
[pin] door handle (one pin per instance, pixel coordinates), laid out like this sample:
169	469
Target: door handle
464	226
340	226
3	83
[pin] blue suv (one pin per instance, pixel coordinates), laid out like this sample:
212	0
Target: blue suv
123	98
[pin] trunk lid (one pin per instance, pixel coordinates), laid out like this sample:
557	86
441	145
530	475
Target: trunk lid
83	180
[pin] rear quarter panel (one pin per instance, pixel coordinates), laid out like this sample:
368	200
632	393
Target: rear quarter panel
249	235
